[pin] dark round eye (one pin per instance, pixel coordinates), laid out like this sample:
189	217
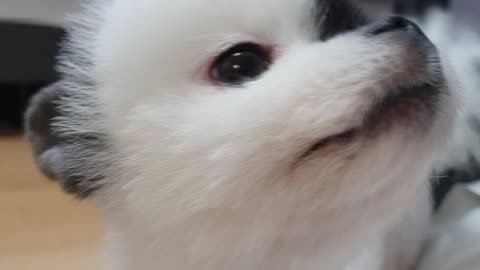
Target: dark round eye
240	64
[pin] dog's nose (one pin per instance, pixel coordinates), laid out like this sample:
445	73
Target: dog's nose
393	23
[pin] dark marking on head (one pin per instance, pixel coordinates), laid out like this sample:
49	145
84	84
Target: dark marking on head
70	159
334	17
418	7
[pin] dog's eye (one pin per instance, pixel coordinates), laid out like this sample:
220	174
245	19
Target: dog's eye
240	64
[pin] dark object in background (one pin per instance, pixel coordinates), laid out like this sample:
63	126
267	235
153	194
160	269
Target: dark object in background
416	7
14	99
381	8
27	54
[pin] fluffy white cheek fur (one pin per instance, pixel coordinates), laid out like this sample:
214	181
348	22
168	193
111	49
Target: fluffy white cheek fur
209	176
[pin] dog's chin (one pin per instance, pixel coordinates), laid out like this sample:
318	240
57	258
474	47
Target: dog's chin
407	101
409	108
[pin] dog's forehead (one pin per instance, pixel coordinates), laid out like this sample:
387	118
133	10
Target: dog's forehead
324	17
180	37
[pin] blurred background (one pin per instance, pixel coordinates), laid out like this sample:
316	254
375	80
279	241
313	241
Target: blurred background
40	227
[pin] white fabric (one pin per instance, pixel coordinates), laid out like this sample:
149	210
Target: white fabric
475	188
456	240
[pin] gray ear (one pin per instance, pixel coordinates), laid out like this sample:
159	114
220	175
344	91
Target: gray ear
61	157
46	144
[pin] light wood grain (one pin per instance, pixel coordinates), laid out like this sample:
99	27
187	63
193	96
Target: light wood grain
41	227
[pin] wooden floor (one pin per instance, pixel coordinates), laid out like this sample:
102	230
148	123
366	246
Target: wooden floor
40	227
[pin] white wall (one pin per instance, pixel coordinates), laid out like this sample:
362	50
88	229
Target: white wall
50	12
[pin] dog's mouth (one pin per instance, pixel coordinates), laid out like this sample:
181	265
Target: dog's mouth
408	107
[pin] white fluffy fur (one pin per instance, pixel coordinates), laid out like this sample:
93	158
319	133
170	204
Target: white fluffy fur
201	177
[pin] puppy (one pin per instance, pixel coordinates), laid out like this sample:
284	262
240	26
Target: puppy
253	135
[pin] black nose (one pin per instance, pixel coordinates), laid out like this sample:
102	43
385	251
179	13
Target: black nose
393	23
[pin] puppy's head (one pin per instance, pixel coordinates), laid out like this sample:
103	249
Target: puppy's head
263	109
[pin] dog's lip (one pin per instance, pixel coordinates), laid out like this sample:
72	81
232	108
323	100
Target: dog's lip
338	138
375	122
